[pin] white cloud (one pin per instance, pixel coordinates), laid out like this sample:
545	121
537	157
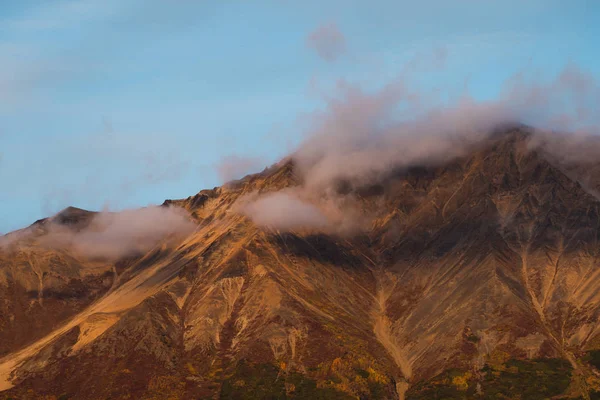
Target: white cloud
282	210
114	235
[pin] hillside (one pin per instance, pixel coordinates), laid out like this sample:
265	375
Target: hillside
475	277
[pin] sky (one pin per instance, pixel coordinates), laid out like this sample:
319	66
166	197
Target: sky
112	104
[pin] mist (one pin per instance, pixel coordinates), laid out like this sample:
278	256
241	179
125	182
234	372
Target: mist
111	235
236	166
361	136
283	210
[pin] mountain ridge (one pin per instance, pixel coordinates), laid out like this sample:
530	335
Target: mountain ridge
477	266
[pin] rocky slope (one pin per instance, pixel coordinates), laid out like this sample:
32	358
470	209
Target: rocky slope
477	278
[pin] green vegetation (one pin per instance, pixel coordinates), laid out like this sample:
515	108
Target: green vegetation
266	381
593	357
537	379
451	384
514	379
473	338
362	373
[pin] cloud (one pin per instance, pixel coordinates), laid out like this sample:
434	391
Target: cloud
328	41
300	208
111	235
282	210
236	166
360	135
7	240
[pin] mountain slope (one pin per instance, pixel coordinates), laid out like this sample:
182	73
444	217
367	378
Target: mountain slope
474	278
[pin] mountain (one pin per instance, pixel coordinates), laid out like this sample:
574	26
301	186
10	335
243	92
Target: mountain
472	278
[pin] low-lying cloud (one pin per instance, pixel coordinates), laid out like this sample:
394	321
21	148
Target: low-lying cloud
361	136
282	210
111	235
297	208
9	239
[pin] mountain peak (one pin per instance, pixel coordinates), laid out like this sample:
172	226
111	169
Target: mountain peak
459	276
73	216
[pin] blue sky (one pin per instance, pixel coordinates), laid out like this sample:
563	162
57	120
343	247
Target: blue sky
117	104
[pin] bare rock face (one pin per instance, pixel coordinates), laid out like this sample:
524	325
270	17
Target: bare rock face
477	278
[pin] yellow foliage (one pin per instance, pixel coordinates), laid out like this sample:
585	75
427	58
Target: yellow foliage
166	387
342	387
336	364
593	382
498	357
360	381
215	372
461	381
376	376
282	365
191	369
239	383
290	388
